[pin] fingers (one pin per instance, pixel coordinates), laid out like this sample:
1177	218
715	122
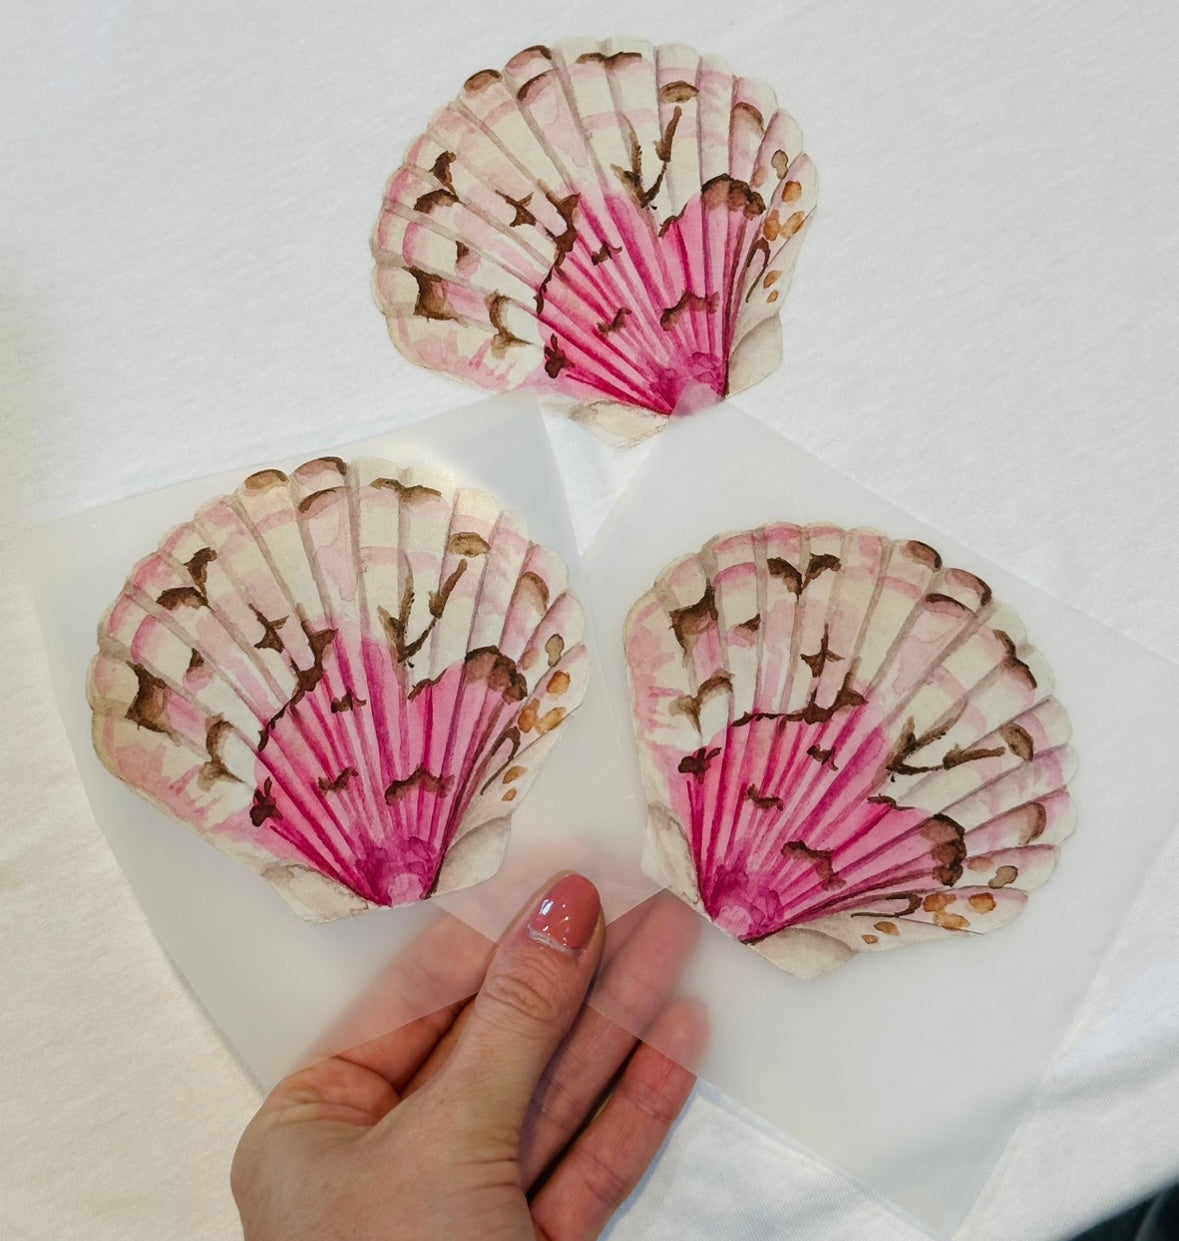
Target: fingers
393	1026
529	998
645	953
608	1160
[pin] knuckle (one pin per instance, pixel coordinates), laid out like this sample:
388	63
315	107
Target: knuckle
603	1180
554	1103
651	1100
522	997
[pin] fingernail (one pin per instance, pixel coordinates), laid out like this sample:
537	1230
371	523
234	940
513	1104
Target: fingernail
567	914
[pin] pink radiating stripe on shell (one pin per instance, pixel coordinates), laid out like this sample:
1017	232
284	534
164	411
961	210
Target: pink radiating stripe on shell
395	855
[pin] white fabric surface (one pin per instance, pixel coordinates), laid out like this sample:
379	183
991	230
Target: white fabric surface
982	329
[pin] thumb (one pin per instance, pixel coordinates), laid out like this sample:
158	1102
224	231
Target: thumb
532	992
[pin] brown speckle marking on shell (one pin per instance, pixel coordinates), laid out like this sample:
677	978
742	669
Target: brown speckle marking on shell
497	314
513	774
468	543
407	491
1003	876
608	60
688	301
555	361
780	162
563	243
951	922
431	302
949	848
523	216
820	859
346	702
149	707
216	731
747	110
762	803
972	582
845	699
490	664
981	902
263	480
955	756
1037	821
697	764
263	806
909	742
632	177
308	679
198	565
309	502
318	464
887	928
419	778
554	648
870	939
559	683
776	228
796	580
270	640
614	325
441	197
551	718
818	661
730	193
335	784
691	704
480	81
791	192
823	757
510	795
1013	659
946	605
759	250
182	597
437	600
537	586
923	554
1019	741
441	168
534	84
689	622
677	92
604	252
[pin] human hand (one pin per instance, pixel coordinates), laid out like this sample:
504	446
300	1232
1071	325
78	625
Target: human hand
468	1123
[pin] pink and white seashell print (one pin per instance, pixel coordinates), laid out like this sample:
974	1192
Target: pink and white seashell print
611	224
845	745
346	678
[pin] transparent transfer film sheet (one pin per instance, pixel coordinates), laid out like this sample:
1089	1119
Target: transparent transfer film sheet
908	1068
272	982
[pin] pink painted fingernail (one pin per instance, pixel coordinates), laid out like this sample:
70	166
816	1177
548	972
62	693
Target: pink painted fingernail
567	914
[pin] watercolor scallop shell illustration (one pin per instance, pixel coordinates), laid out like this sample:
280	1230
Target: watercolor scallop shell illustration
845	745
612	224
345	678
